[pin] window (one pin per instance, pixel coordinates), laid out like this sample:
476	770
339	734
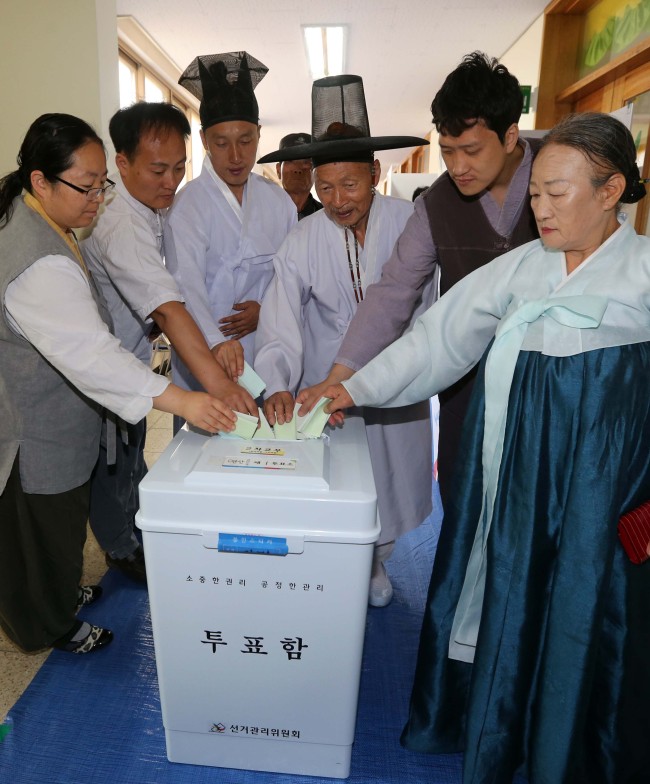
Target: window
196	145
128	91
139	83
154	90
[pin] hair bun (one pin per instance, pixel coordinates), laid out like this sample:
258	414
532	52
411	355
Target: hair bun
635	188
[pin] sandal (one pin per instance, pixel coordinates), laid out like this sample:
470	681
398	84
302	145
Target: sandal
87	594
95	639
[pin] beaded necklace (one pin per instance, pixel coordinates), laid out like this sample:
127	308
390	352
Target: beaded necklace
356	279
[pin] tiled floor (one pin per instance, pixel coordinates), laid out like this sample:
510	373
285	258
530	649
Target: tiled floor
17	668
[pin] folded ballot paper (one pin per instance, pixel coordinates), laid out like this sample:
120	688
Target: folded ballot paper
264	430
286	431
300	428
245	427
251	382
313	423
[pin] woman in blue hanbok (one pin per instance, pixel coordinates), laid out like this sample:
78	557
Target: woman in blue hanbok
536	637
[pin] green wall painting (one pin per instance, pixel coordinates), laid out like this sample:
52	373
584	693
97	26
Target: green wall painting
612	27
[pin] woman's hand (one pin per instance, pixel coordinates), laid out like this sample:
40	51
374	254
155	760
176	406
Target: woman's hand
279	408
230	356
340	399
199	408
309	396
242	323
208	413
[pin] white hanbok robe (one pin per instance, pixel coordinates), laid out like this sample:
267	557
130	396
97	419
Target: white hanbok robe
221	253
303	320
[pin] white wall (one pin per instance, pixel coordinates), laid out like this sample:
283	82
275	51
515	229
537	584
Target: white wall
57	56
402	185
523	59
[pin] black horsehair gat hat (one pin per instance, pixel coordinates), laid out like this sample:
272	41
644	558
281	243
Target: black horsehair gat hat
294	139
340	127
224	83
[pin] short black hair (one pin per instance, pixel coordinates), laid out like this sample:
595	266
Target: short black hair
480	88
129	125
418	191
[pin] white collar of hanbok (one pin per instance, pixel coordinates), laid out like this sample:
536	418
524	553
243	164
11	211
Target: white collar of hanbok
228	195
369	249
621	217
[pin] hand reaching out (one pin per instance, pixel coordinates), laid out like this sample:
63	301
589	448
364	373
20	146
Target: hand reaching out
340	399
199	408
236	397
243	322
279	408
230	356
309	396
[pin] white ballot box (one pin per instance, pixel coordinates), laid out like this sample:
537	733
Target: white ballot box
258	562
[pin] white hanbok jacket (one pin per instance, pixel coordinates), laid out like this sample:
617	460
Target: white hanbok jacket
221	253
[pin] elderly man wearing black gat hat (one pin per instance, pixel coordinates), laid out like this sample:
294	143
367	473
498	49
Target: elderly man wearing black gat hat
322	273
477	210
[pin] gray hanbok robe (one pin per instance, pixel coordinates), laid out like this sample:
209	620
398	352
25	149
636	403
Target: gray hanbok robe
221	253
304	316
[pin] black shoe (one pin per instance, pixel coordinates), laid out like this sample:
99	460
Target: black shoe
88	594
95	639
132	566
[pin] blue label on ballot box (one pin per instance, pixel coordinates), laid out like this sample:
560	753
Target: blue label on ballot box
245	543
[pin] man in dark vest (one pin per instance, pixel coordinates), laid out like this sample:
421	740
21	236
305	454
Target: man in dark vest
477	210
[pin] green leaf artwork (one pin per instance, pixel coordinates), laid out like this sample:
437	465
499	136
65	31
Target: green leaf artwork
600	44
619	33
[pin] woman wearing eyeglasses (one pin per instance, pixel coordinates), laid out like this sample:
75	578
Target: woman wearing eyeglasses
59	365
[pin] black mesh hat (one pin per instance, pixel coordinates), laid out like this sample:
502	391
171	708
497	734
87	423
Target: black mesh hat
340	128
224	83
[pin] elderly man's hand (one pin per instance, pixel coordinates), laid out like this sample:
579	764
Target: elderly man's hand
279	408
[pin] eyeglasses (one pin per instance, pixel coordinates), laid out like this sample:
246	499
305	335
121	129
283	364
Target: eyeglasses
92	194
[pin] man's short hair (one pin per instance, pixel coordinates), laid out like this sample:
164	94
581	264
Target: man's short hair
129	125
480	88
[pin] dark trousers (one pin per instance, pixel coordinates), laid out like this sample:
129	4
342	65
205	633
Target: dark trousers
114	492
41	557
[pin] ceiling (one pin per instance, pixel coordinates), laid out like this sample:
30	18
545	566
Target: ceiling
403	49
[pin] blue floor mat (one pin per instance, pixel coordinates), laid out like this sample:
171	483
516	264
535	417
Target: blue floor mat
96	719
